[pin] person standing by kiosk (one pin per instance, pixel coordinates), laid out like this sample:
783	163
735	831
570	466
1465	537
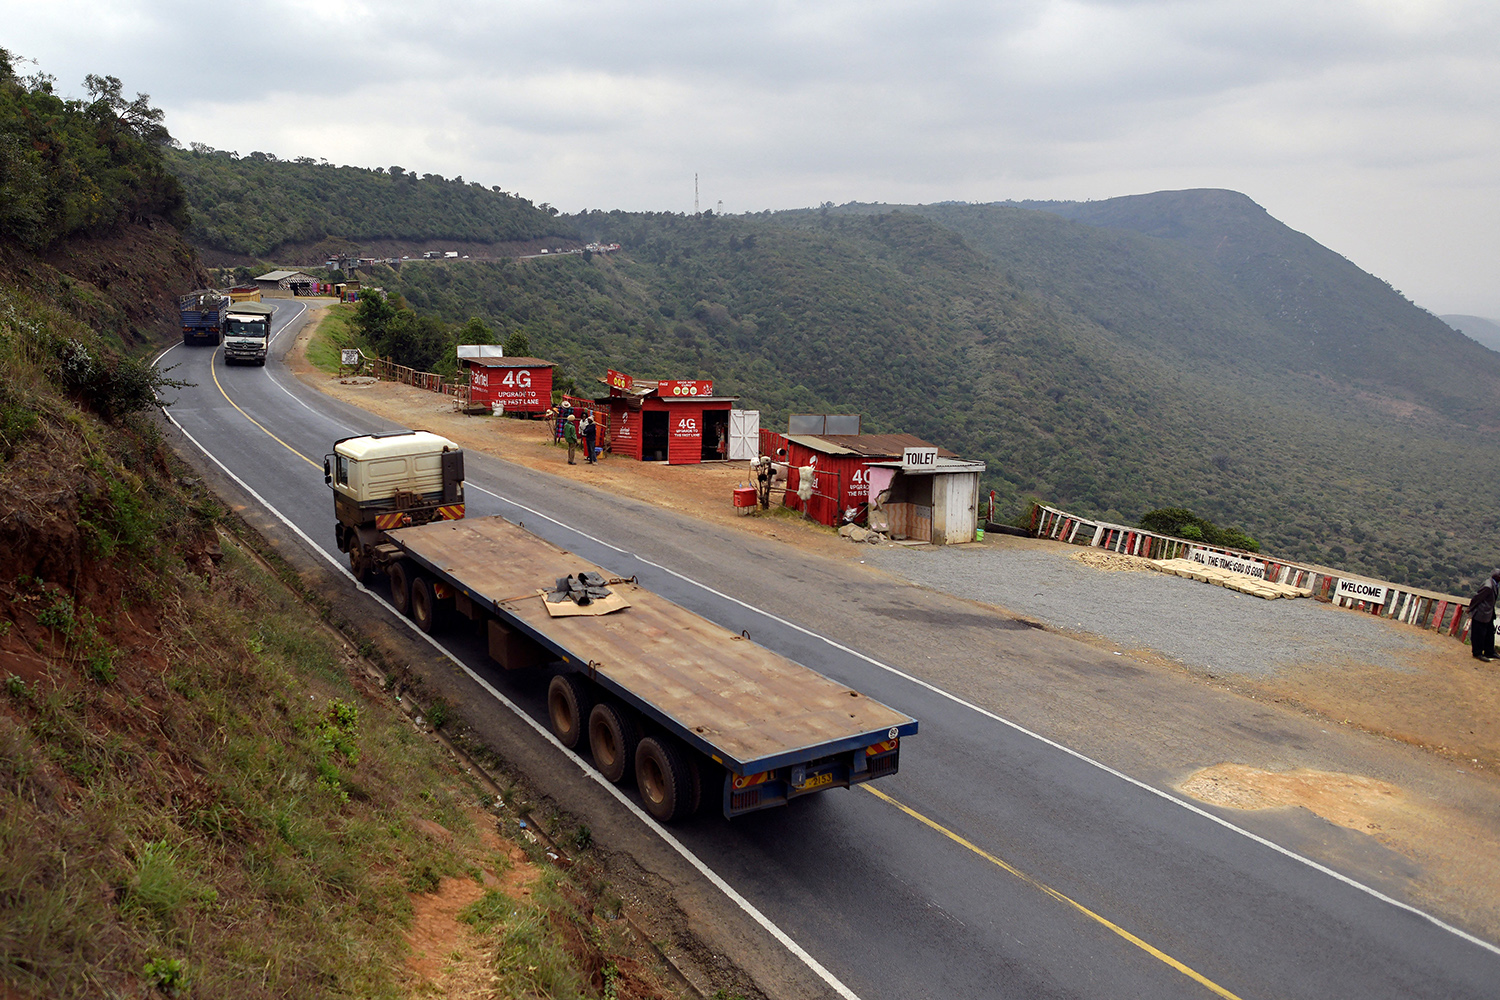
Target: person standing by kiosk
1482	619
590	431
570	435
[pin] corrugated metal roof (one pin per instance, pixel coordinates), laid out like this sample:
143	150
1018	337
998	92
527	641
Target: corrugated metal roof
944	465
511	362
868	445
281	275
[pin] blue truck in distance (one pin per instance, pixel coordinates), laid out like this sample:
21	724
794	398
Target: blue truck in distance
203	314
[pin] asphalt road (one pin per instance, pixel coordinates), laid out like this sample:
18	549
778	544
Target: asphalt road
995	864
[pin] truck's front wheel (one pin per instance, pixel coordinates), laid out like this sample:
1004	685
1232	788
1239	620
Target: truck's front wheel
359	561
568	701
665	779
401	587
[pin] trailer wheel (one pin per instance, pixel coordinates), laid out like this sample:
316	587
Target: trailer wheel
568	702
665	780
613	738
400	574
426	610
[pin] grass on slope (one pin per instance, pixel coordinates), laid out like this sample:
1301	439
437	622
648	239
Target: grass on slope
196	794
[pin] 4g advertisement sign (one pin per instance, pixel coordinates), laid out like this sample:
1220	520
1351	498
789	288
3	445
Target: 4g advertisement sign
513	387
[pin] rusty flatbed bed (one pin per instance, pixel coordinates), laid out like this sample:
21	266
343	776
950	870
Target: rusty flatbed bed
747	707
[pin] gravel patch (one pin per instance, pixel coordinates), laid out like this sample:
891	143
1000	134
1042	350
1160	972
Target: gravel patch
1206	627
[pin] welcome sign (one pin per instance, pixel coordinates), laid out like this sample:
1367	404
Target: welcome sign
1359	590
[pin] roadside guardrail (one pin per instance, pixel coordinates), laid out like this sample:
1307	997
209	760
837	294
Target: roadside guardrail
1422	608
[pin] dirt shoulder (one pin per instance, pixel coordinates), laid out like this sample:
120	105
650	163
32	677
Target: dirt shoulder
1431	695
1364	766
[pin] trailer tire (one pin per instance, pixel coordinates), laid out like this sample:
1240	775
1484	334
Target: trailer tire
568	702
400	573
613	737
426	609
664	778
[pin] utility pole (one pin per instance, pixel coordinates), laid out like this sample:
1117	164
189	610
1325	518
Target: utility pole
695	194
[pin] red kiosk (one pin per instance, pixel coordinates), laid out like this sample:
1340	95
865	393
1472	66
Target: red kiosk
520	385
677	421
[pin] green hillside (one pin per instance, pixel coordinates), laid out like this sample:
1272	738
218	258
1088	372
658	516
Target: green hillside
1182	349
1319	313
254	204
1476	328
908	322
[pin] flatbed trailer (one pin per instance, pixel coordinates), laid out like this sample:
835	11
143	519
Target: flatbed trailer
203	313
688	709
763	729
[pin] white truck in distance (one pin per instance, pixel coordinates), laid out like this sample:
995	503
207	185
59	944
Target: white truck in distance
247	333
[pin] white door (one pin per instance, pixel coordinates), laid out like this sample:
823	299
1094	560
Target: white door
962	501
744	434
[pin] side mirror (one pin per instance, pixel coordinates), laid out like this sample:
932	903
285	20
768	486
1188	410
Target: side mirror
327	470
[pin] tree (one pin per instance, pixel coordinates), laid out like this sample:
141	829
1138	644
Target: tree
138	116
475	331
371	317
517	345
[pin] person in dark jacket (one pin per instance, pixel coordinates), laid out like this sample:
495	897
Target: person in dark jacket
1482	619
589	430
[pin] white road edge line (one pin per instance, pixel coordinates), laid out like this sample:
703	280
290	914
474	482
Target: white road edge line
1309	862
671	841
298	399
745	904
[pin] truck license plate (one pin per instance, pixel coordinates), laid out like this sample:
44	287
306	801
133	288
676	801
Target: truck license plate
817	781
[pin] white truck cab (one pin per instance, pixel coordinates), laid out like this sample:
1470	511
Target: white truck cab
247	333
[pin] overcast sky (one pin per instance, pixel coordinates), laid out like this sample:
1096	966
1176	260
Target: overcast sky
1371	125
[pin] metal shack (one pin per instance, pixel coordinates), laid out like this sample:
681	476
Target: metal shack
925	496
842	463
516	385
677	421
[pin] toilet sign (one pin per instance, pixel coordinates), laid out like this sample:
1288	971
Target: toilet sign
919	458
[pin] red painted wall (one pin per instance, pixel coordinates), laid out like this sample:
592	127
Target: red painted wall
626	430
522	390
684	435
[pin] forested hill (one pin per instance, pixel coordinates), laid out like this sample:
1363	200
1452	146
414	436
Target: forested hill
1014	359
256	205
1476	328
1179	349
1210	277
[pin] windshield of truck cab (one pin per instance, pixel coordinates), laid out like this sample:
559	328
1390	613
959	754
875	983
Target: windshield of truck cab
246	327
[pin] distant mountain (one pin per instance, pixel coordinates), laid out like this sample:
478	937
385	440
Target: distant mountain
1175	349
260	207
1209	275
1477	328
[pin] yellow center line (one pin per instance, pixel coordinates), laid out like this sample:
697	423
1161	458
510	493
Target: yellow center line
1149	949
214	370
